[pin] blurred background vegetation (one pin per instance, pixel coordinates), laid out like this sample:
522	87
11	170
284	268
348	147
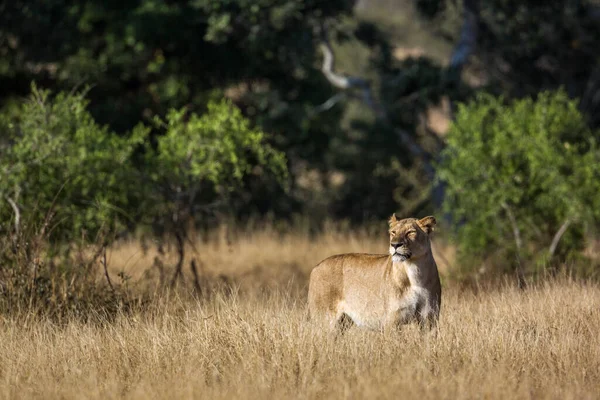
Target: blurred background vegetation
149	117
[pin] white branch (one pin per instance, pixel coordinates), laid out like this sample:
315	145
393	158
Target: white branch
17	214
329	103
336	80
468	36
346	82
350	82
517	234
561	231
515	227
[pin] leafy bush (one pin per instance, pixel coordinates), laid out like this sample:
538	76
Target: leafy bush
517	173
219	147
67	183
59	165
201	159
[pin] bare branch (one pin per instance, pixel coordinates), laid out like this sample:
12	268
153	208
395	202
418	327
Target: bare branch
336	80
104	265
515	227
17	214
161	268
179	267
345	82
327	105
468	35
518	242
194	269
559	234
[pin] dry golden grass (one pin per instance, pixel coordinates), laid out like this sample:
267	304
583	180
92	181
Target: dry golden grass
539	343
260	257
542	342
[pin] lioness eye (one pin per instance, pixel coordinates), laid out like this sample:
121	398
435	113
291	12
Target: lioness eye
411	235
392	233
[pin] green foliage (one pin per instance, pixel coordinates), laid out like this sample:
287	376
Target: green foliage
215	147
528	46
535	162
61	168
145	57
71	183
75	178
201	159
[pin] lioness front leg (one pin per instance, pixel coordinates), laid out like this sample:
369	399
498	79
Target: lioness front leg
428	319
396	318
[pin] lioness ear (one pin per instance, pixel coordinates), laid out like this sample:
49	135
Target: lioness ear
427	224
393	219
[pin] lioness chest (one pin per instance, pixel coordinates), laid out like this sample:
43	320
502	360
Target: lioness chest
391	305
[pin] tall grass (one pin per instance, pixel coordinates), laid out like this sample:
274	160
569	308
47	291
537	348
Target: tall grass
256	257
251	338
506	343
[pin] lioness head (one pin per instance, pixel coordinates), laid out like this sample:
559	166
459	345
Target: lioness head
409	238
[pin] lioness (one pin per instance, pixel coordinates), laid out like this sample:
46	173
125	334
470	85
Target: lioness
381	291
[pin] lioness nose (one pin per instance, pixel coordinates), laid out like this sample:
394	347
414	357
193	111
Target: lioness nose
396	245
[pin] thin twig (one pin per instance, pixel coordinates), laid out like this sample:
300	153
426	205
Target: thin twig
101	248
328	104
50	212
196	277
518	243
515	227
179	267
104	264
161	269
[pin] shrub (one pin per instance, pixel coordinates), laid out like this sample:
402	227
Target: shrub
520	177
57	164
60	166
68	185
201	159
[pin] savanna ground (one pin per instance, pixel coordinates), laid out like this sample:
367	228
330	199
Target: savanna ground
251	338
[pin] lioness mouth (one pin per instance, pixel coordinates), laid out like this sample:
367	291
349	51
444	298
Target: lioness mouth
402	257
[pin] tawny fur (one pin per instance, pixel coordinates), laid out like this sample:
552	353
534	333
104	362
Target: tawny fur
380	291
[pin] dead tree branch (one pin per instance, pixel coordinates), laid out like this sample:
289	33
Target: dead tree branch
559	234
194	269
328	104
105	266
463	50
518	243
345	82
468	35
514	226
179	267
363	85
15	208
